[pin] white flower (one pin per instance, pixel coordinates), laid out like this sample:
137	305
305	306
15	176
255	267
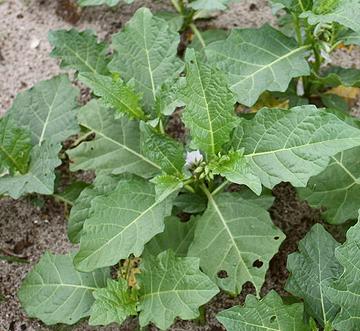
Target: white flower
193	158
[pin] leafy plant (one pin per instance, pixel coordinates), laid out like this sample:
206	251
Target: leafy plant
220	171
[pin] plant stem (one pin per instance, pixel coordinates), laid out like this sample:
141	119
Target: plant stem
206	191
197	34
176	5
297	29
220	187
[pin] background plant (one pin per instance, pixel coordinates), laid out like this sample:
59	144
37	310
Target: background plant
129	216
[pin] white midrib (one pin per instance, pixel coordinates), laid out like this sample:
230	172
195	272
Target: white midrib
122	146
212	201
149	66
340	164
212	141
299	146
81	59
270	64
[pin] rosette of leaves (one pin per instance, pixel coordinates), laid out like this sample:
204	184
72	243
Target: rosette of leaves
141	171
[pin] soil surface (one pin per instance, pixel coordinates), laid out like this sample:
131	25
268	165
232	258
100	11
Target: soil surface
30	226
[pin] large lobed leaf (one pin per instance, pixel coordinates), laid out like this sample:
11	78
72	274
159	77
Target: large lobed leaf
209	112
177	236
292	145
47	110
79	51
269	313
55	292
121	223
172	287
15	146
116	147
235	240
146	53
257	60
312	269
40	175
102	185
345	292
337	188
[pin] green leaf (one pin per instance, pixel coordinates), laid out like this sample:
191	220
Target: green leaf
79	51
208	4
165	185
190	202
344	12
345	292
257	60
208	37
167	99
71	192
292	145
162	150
114	93
334	101
55	292
172	287
235	240
113	304
15	146
312	270
269	313
337	188
116	147
335	76
209	112
177	236
102	185
265	200
146	52
40	175
121	223
47	110
110	3
235	169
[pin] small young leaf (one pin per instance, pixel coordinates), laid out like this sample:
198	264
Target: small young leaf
113	304
47	110
235	240
146	52
269	313
55	292
121	223
102	185
177	236
162	150
345	292
191	203
337	188
116	147
40	175
345	12
209	112
312	270
165	185
167	99
114	93
292	145
15	146
236	170
79	51
172	287
257	60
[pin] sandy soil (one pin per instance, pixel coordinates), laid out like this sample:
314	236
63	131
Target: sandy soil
28	230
